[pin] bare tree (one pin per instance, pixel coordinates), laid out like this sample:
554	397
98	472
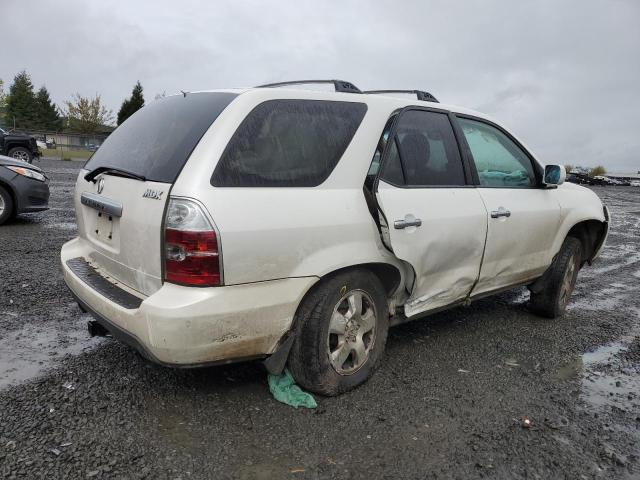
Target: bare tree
596	171
86	115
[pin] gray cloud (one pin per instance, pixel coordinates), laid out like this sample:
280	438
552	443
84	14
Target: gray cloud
563	75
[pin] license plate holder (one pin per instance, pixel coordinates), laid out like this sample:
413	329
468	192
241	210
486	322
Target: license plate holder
104	227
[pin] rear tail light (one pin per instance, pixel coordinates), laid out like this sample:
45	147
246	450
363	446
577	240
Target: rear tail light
191	247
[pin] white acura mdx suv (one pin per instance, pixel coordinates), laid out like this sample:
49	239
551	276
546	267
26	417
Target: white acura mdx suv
299	225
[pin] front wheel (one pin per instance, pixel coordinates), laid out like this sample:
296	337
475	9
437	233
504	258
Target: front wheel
21	153
341	333
6	205
551	301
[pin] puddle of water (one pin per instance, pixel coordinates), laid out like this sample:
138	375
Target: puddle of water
616	386
607	379
27	352
612	391
602	387
603	354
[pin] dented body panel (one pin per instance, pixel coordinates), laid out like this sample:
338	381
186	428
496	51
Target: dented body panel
446	251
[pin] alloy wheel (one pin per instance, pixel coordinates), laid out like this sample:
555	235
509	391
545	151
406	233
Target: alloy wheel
20	155
352	332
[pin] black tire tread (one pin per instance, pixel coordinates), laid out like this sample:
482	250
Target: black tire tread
305	368
546	303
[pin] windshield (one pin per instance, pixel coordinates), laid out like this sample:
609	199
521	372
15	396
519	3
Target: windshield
156	141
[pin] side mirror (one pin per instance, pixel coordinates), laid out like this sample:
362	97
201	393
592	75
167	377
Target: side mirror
554	175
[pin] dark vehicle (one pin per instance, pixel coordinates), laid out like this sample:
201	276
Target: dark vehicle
18	145
23	188
584	179
579	178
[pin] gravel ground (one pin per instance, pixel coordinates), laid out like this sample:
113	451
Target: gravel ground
448	401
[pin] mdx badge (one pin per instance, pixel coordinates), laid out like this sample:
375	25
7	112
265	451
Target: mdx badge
150	193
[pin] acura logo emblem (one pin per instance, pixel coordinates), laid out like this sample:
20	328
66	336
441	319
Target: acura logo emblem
100	185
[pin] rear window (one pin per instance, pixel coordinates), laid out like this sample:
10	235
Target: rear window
156	141
288	143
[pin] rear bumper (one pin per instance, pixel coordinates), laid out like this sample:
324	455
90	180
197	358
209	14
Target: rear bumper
186	326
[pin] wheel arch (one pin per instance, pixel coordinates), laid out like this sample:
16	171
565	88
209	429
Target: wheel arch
15	144
388	274
591	233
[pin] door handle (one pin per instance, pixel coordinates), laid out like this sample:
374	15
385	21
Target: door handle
501	212
409	221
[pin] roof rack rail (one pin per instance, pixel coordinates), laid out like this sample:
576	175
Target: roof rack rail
339	85
420	94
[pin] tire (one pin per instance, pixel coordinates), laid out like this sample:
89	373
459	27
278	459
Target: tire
6	205
363	339
551	301
21	153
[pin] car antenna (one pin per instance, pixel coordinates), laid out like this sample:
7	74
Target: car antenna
184	93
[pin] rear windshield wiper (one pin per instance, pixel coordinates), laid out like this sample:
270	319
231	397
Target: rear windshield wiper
91	176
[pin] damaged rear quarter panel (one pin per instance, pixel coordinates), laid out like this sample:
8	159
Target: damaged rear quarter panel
188	326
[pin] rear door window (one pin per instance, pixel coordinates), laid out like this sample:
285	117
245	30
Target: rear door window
424	152
156	141
288	143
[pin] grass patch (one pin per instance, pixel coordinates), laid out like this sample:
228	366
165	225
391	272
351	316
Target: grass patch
66	154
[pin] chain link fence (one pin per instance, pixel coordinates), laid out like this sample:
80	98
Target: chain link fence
68	146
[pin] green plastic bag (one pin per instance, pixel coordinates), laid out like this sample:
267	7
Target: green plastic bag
284	389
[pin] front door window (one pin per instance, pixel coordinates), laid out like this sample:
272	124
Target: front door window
499	161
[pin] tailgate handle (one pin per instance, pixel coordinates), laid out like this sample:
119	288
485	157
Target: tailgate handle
408	221
102	204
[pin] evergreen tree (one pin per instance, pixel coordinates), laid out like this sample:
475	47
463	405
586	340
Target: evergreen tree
21	103
131	105
47	116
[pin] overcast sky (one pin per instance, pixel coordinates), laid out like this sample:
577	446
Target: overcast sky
563	75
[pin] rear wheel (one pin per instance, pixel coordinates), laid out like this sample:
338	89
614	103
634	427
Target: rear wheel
551	301
21	153
6	205
341	333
